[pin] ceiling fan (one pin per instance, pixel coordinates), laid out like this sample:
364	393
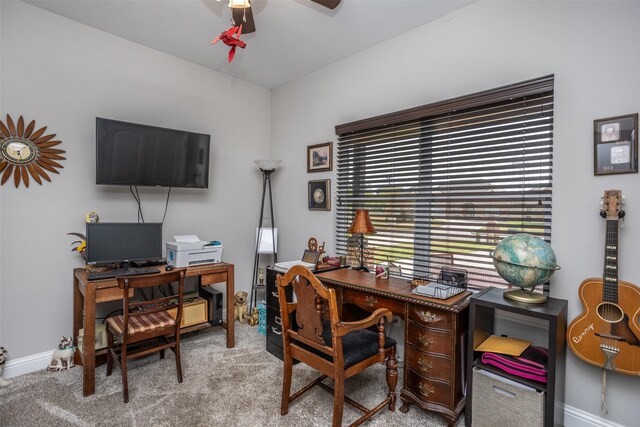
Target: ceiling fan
242	18
242	14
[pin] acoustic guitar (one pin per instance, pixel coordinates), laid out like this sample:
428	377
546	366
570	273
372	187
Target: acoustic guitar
607	333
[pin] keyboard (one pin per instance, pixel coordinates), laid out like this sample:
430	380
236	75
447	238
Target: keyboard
131	271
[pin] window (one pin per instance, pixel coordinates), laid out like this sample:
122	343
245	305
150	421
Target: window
445	182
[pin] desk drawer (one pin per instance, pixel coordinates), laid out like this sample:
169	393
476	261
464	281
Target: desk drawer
428	390
111	294
429	341
431	318
427	365
208	279
370	302
273	298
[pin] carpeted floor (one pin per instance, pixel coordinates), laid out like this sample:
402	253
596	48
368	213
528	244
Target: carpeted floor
230	387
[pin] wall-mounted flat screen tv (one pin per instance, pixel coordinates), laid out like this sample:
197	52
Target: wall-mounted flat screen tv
141	155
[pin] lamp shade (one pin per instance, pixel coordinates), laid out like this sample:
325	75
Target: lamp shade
267	164
239	4
361	223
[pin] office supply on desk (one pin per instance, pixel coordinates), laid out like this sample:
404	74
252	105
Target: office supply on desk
87	294
117	272
451	281
437	290
309	261
189	250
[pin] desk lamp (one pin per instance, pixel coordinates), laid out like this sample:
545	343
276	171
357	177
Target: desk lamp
361	225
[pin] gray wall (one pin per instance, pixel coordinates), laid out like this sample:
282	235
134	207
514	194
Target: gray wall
63	74
591	47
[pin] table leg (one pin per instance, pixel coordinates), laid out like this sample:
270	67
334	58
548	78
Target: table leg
78	300
89	350
230	320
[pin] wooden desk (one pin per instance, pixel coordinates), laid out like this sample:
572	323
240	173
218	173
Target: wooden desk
434	337
86	294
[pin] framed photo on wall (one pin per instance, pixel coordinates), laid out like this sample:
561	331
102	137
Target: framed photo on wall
320	195
615	145
319	157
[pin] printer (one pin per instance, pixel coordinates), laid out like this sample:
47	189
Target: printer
190	250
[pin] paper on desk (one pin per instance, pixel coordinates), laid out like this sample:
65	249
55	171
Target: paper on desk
503	345
187	238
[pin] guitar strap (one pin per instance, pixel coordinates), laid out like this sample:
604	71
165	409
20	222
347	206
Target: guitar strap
603	403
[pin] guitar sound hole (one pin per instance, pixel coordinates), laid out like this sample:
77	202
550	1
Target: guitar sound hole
610	312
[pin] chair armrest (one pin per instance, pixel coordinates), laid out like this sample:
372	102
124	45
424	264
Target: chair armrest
344	328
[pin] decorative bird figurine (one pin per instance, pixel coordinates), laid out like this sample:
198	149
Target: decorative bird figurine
227	37
81	245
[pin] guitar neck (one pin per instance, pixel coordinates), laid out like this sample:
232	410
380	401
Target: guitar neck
610	274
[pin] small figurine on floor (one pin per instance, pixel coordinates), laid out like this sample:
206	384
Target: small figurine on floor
240	305
252	319
63	355
3	359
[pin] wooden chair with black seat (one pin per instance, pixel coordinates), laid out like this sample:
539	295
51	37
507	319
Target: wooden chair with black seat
336	349
144	326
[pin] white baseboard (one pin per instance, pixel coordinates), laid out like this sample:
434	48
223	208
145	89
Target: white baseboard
24	365
574	417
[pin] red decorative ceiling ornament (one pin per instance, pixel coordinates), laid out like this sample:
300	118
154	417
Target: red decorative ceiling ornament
227	37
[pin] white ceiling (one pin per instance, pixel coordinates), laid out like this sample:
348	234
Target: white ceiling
292	38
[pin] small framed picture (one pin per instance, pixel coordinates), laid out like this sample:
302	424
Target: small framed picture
615	145
310	256
319	157
320	195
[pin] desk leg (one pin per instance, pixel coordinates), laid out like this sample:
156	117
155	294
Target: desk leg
77	318
231	338
89	368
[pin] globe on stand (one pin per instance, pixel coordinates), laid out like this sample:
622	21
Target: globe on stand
524	261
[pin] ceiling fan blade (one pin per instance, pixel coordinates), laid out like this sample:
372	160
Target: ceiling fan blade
247	27
330	4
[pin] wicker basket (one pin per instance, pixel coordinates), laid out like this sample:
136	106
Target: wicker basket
419	281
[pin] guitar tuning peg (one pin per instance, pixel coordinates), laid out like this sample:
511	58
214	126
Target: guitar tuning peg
621	214
603	214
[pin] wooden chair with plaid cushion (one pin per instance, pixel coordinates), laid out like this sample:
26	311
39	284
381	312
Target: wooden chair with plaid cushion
336	349
143	327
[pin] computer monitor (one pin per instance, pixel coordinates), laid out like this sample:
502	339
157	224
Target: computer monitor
122	242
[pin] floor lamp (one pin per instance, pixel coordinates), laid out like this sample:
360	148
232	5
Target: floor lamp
267	167
361	225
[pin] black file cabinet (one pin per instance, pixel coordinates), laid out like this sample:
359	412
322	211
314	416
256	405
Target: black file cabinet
274	324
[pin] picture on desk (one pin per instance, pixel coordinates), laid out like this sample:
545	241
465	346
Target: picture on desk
310	256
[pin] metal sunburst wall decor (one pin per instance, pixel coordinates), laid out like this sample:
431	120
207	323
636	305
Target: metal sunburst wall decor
25	152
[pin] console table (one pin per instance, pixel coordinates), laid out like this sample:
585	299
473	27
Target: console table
86	294
434	336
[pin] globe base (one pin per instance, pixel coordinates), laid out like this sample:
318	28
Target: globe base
520	295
